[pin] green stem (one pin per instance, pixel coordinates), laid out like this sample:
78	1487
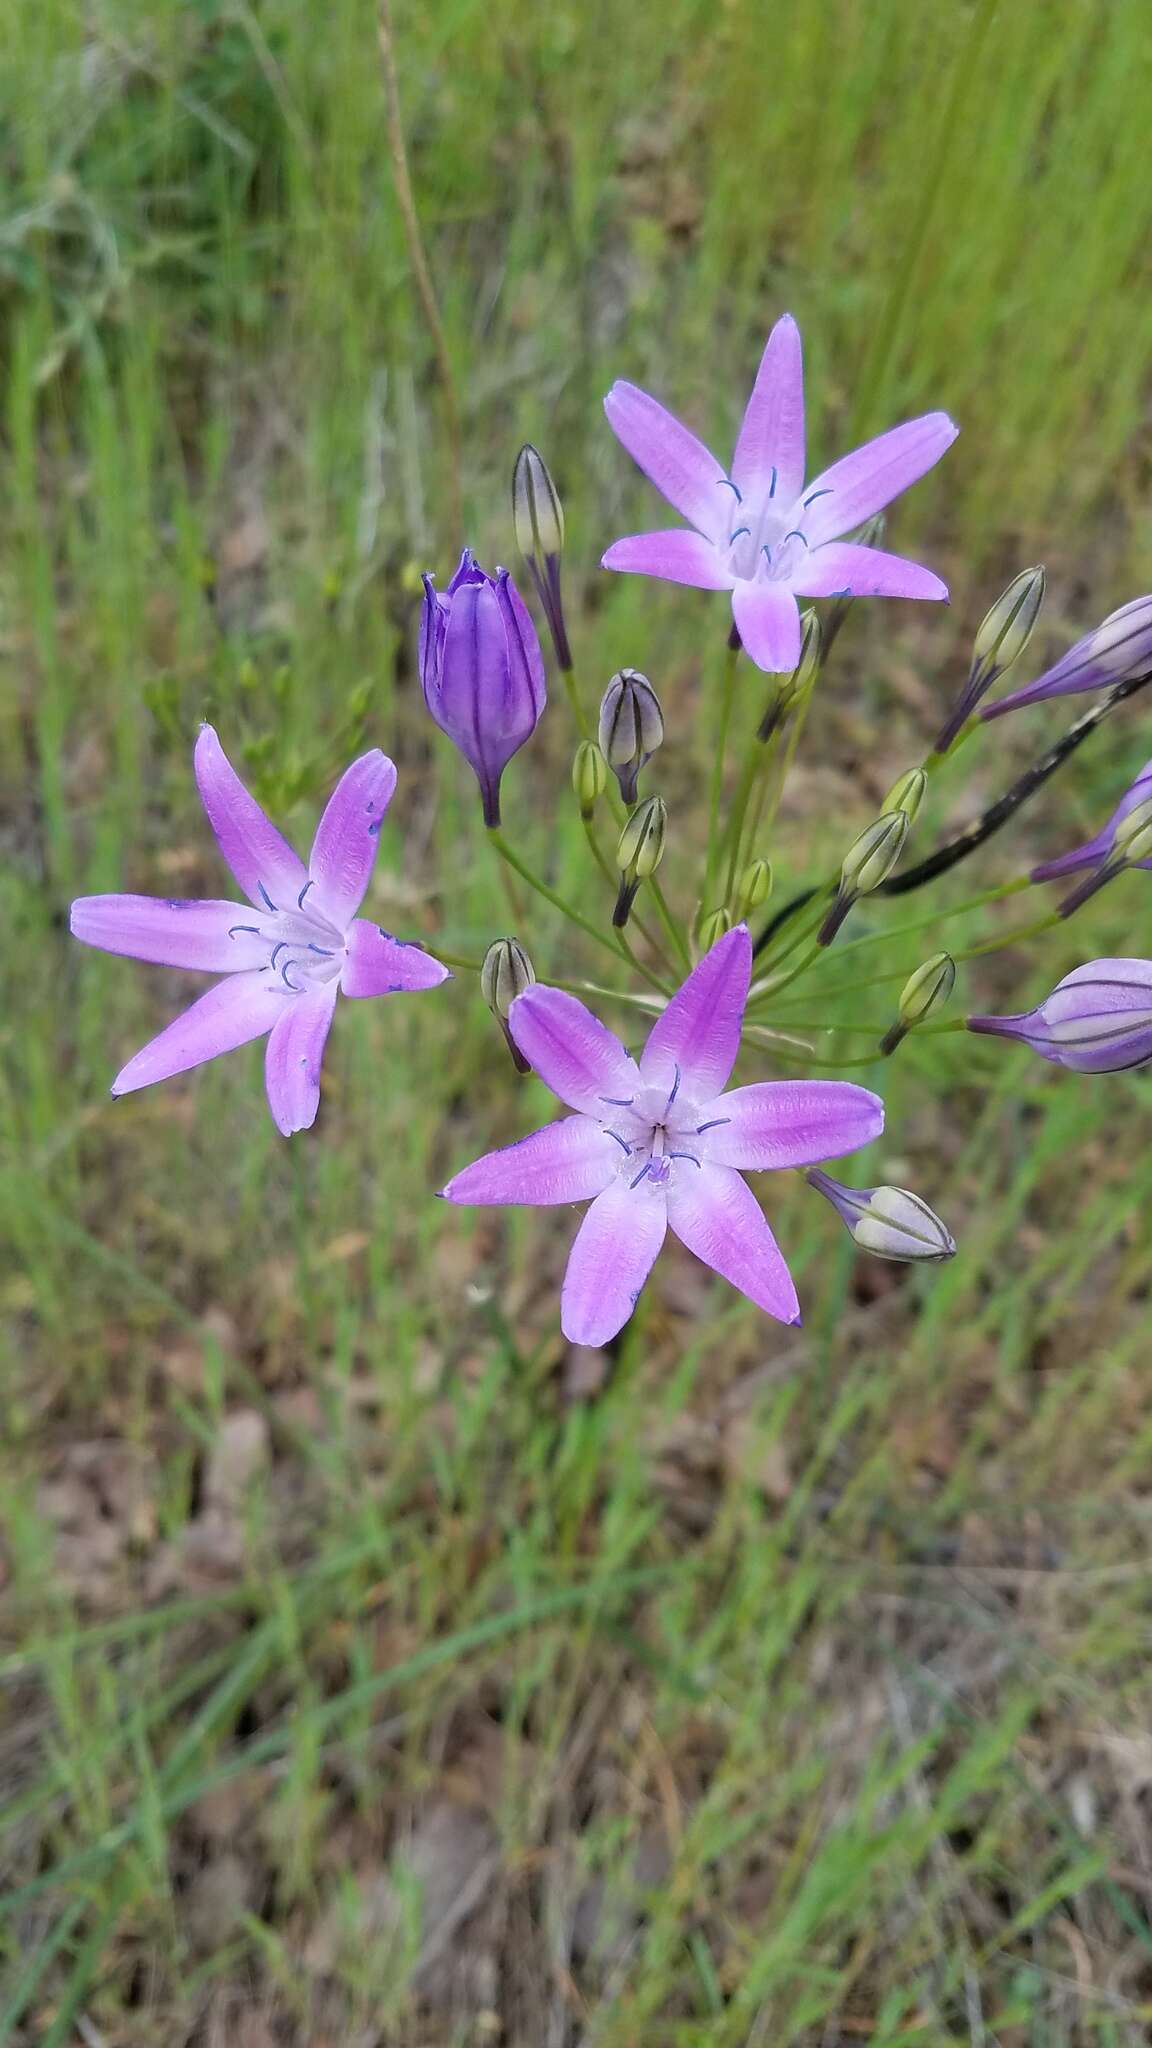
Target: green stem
496	838
572	687
612	877
675	935
727	693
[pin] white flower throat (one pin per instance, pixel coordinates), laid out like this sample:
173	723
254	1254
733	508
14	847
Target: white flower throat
658	1132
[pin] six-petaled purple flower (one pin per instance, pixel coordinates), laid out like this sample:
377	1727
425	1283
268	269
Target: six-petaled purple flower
1098	1020
286	954
759	530
1119	648
481	670
659	1143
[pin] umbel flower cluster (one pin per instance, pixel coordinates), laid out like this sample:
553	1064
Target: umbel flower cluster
658	1139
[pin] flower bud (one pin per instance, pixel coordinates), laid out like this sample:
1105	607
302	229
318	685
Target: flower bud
868	861
1122	843
711	926
789	688
1132	841
631	727
505	973
1004	634
890	1222
639	852
925	990
754	888
1098	1020
589	776
538	520
1119	648
907	794
481	670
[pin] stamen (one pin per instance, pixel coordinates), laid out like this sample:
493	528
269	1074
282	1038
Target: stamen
325	952
619	1101
297	987
796	534
772	485
734	537
813	495
234	928
713	1125
304	891
642	1175
266	896
685	1155
281	946
626	1149
767	553
675	1086
731	486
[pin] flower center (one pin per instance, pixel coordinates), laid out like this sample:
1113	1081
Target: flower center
658	1134
304	950
765	541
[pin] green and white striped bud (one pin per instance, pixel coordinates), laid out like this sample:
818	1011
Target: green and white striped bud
868	862
631	727
1004	634
639	852
710	926
907	794
754	888
1132	840
891	1223
589	777
924	991
505	973
538	520
788	689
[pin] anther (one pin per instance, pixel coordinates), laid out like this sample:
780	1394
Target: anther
813	495
267	899
675	1087
734	537
297	987
685	1155
642	1175
619	1101
234	928
281	946
732	487
772	485
713	1125
325	952
795	534
625	1148
304	891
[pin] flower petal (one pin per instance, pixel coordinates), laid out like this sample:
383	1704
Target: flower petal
376	964
217	937
230	1014
268	871
569	1161
839	567
865	481
293	1059
768	622
790	1123
718	1217
344	849
676	554
699	1032
613	1253
772	430
681	467
1086	856
573	1053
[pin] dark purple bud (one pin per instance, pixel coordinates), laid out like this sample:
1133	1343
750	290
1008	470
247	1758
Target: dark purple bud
1119	648
1098	1020
481	670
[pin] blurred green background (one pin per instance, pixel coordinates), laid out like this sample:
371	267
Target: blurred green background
375	1670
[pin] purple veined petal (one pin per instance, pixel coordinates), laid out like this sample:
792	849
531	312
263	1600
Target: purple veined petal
717	1216
344	849
768	622
268	871
681	467
524	655
569	1161
376	964
676	555
572	1051
613	1253
294	1056
230	1014
699	1032
790	1123
840	567
1086	856
772	431
1027	1025
865	481
218	938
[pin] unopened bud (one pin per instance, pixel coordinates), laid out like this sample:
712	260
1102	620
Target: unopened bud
639	852
710	927
754	887
505	973
1132	841
867	863
787	688
907	794
1004	634
631	727
538	519
890	1222
589	776
925	990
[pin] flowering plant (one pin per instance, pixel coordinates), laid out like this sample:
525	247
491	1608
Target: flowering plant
658	1139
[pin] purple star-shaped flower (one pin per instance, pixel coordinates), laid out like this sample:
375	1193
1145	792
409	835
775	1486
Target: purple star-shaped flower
286	954
658	1142
760	532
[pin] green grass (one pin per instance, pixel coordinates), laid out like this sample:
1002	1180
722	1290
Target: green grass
819	1660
